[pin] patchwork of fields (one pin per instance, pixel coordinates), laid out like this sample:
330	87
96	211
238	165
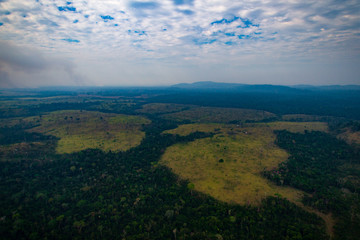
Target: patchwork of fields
228	164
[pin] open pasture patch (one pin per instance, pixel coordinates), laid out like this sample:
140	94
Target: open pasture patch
219	115
162	108
186	129
299	127
351	137
228	166
79	130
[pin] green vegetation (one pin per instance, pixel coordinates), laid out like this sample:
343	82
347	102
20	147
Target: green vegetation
228	165
302	117
161	108
234	179
349	131
219	115
96	195
79	130
324	167
350	136
299	127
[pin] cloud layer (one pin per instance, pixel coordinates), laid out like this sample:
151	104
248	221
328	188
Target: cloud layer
163	42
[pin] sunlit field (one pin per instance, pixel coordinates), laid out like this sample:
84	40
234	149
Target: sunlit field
79	130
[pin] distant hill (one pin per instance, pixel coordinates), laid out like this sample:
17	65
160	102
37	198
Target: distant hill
329	87
208	84
265	88
339	101
217	86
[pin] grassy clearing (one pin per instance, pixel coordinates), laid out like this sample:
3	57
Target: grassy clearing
299	127
186	129
228	165
219	115
351	137
80	130
159	108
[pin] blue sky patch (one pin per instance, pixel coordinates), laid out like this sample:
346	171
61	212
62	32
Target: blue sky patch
1	24
230	34
183	2
144	5
5	12
140	33
225	21
76	21
70	40
137	32
247	23
242	36
67	9
186	12
48	23
204	41
106	18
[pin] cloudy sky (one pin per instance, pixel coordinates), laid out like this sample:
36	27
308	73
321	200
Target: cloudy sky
129	43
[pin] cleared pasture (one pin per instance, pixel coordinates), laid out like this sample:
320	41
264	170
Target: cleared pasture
299	127
79	130
228	166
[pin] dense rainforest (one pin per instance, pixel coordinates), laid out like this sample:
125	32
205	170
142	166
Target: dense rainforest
94	194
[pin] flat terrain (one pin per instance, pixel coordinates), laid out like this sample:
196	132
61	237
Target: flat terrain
219	115
228	165
299	127
228	192
79	130
162	108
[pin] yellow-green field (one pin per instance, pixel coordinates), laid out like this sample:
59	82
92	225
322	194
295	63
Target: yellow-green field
79	130
299	127
228	165
219	115
186	129
158	108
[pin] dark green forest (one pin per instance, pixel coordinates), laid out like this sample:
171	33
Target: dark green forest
94	194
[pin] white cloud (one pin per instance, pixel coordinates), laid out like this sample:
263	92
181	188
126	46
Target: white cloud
156	35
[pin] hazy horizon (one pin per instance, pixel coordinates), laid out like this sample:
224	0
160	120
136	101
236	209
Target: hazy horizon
161	43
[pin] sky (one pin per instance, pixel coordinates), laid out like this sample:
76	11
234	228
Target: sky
152	43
